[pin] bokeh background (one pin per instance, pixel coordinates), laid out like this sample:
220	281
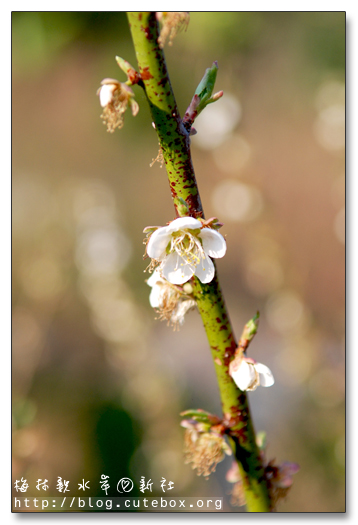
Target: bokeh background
98	383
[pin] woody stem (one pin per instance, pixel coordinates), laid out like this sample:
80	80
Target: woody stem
175	144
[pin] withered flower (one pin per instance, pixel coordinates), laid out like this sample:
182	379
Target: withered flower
115	97
172	24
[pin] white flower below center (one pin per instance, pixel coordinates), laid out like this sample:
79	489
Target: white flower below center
170	300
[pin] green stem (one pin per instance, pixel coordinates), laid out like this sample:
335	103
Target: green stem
175	143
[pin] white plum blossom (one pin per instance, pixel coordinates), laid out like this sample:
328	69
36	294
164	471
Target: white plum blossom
248	374
171	301
183	249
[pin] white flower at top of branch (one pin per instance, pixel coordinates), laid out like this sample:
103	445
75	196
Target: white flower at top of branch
183	249
248	374
114	98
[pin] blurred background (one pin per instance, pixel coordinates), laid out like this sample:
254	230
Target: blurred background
98	383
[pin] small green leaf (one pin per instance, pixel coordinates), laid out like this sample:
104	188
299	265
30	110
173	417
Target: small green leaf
207	83
206	87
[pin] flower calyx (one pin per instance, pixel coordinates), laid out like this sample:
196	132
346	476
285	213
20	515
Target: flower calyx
213	223
172	23
114	98
184	248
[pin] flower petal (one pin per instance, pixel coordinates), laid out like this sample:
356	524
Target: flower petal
182	308
155	278
158	242
266	377
214	243
205	270
244	376
155	296
183	222
106	94
175	270
134	106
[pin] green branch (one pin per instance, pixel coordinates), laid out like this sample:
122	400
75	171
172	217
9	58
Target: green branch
174	141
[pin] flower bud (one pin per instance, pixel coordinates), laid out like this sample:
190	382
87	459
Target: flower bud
251	328
248	374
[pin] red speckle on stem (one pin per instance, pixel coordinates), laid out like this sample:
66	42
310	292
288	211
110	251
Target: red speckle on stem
146	32
146	74
163	81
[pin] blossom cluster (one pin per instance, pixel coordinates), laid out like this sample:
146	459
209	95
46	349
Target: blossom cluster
179	251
